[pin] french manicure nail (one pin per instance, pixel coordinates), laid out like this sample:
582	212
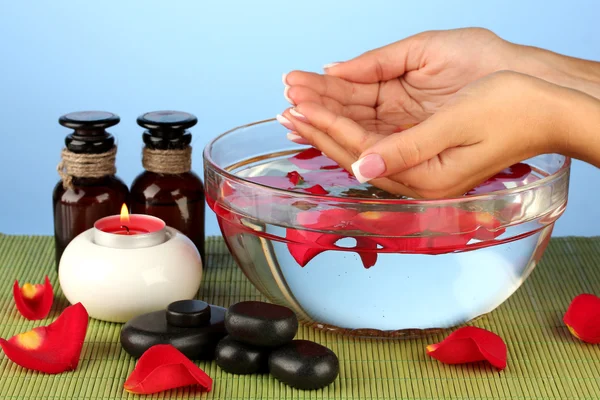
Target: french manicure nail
284	79
326	66
286	94
368	167
296	138
298	115
284	121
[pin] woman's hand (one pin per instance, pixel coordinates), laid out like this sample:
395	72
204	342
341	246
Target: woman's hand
404	83
484	127
395	86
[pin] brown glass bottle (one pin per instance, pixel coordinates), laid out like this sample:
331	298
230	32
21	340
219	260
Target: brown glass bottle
175	197
77	208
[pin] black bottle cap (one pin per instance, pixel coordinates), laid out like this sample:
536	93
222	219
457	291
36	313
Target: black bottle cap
188	313
89	134
167	129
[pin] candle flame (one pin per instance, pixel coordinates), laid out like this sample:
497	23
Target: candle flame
124	214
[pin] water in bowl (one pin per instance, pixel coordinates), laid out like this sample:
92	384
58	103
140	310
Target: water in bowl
359	280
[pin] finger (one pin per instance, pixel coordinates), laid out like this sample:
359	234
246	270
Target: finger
382	64
335	88
346	132
302	94
403	150
333	150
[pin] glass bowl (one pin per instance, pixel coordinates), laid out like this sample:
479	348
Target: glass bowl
374	267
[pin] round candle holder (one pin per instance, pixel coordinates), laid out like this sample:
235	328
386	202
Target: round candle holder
118	276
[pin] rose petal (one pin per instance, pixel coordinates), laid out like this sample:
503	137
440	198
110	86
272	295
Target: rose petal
368	258
51	349
316	189
163	367
295	177
514	172
470	344
583	318
488	226
389	223
34	301
306	245
312	159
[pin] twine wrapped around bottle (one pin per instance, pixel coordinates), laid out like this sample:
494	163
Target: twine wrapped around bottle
174	161
76	165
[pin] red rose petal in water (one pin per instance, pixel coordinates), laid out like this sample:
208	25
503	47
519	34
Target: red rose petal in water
514	172
583	318
163	367
312	159
306	245
368	258
316	189
34	301
470	344
489	226
51	349
295	178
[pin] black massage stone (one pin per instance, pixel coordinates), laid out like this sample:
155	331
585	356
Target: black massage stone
188	313
305	365
196	342
261	324
241	358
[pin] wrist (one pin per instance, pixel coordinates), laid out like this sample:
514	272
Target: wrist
577	133
558	69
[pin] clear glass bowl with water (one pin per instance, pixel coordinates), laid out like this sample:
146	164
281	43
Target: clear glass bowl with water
371	265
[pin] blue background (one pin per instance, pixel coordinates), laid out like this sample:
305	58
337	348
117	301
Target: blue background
221	60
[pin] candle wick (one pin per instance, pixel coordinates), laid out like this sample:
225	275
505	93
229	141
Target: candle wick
126	228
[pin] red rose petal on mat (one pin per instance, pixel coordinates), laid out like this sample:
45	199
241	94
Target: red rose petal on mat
51	349
295	178
163	367
470	344
34	301
312	159
583	318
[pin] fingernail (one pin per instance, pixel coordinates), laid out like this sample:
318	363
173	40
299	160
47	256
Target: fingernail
298	115
284	121
368	167
296	138
284	79
286	94
326	66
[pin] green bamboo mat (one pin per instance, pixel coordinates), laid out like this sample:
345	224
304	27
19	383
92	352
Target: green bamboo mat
545	361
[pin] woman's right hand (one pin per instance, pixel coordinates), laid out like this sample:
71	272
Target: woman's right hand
490	124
